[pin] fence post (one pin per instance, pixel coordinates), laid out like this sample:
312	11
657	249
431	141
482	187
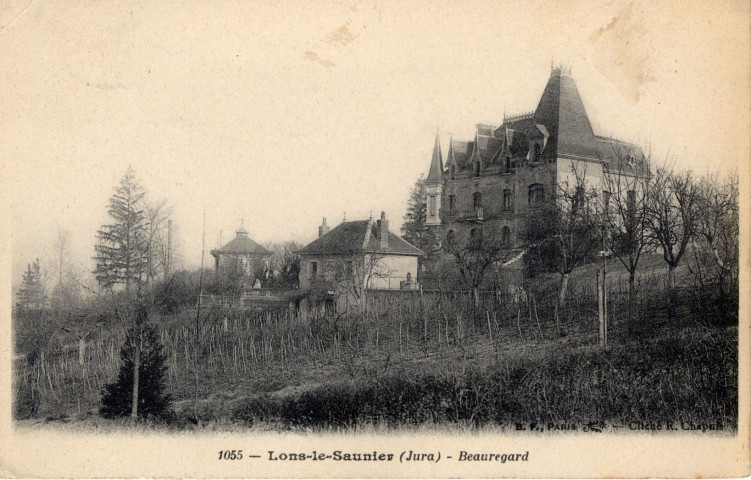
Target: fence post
601	310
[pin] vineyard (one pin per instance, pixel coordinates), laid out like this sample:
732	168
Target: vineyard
430	358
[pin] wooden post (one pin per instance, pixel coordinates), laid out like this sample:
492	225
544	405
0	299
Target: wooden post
601	311
605	303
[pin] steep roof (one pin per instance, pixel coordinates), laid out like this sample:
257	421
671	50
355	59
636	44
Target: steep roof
348	238
562	112
241	244
459	152
435	175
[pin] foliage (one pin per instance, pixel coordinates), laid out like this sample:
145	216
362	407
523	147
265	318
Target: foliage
117	397
414	228
31	292
177	293
122	248
672	380
284	265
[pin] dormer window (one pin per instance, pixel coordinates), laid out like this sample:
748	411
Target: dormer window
537	152
452	172
508	164
477	168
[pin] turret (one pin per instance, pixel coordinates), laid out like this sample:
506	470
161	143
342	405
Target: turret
434	184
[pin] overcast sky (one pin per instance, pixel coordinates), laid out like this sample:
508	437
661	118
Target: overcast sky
285	112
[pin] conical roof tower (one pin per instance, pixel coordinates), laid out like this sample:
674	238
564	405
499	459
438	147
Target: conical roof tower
435	174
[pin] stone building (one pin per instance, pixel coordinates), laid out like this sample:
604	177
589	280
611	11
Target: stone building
493	185
239	255
359	255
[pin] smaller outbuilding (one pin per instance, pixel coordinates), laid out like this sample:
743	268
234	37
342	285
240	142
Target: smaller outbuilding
240	255
359	255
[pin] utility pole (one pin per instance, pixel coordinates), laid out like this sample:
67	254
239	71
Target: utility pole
602	293
169	250
198	316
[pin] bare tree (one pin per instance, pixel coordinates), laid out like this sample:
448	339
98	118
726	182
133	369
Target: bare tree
672	212
62	247
716	249
575	224
159	238
348	277
475	254
628	185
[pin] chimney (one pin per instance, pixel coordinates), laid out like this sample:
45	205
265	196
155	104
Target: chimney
323	229
383	231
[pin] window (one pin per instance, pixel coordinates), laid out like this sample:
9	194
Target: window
506	237
536	194
452	172
313	270
477	200
452	204
537	152
475	239
508	164
431	205
477	168
507	199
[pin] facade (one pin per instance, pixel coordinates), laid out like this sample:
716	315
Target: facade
494	185
359	255
239	255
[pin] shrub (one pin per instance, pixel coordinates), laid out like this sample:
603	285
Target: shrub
117	397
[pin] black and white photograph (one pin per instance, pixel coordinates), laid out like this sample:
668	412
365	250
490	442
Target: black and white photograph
375	239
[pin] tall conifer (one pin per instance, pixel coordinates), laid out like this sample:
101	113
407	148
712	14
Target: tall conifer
414	229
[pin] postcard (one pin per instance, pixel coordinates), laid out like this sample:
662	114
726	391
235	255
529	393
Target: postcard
375	239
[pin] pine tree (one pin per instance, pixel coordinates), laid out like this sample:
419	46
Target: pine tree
414	229
117	397
122	246
31	293
32	335
122	254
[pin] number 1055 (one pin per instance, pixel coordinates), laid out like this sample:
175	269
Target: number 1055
230	454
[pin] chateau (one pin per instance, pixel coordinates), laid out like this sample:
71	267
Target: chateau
491	186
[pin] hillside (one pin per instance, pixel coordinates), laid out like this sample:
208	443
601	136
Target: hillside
429	360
